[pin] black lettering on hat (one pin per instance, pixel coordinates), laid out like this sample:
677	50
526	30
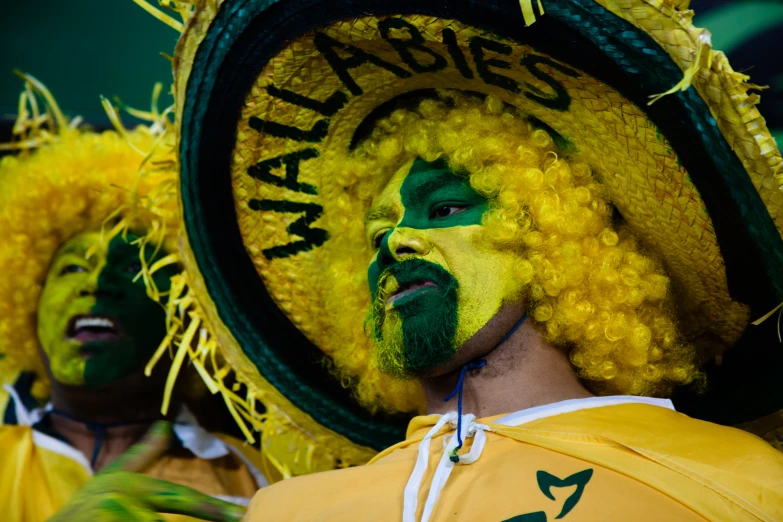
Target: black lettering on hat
560	100
415	42
314	135
455	51
311	237
477	46
327	45
262	171
334	103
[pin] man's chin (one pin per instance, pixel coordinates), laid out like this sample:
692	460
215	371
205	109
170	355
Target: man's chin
412	360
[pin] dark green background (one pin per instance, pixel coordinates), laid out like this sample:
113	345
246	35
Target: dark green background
81	49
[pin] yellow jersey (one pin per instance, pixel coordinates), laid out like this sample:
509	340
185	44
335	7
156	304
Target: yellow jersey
603	458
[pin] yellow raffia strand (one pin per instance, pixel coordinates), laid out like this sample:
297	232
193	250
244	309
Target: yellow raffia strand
528	13
31	128
176	364
171	259
160	15
116	121
204	350
281	467
22	112
779	309
151	115
703	60
51	104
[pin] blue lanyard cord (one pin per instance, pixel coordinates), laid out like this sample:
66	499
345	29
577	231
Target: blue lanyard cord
100	431
469	367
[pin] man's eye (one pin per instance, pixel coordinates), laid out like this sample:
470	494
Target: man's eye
379	239
443	211
72	269
134	268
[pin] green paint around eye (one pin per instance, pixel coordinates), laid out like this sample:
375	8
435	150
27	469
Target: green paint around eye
140	320
430	185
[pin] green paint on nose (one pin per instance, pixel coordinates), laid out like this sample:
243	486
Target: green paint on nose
138	324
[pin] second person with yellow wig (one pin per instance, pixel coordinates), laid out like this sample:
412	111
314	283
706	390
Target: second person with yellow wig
78	328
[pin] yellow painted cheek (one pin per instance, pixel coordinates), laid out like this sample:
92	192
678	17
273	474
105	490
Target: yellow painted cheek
55	309
485	275
60	300
68	366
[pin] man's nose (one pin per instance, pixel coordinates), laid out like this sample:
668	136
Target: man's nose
402	243
92	288
98	294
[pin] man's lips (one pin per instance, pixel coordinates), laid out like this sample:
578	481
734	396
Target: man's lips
93	328
408	289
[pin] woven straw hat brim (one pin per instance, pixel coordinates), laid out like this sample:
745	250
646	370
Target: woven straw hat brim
694	174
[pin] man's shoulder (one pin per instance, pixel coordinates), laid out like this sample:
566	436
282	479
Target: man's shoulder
316	496
653	430
14	433
689	432
323	483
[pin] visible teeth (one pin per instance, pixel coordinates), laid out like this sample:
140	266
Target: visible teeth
93	322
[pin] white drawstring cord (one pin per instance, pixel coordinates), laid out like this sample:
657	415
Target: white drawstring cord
445	465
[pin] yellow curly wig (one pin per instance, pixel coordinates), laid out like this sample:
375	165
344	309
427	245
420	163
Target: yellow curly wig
592	288
75	181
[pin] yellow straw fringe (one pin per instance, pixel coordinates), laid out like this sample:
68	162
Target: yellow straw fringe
184	322
779	309
527	11
184	9
33	129
702	60
188	339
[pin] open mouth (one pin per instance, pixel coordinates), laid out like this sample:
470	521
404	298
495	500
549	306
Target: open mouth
408	290
93	328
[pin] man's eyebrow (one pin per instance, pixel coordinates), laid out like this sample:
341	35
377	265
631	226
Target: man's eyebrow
444	178
375	213
72	250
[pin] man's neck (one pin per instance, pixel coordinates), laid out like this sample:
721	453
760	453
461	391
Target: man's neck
126	409
523	372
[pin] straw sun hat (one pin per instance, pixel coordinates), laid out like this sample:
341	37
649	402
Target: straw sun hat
268	93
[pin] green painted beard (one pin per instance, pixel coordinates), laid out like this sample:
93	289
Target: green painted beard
415	333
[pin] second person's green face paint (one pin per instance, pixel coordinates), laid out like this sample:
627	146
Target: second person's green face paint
95	323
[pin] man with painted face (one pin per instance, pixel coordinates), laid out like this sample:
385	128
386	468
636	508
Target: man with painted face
505	294
78	327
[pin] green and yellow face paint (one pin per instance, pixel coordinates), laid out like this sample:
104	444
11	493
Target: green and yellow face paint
95	323
437	277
